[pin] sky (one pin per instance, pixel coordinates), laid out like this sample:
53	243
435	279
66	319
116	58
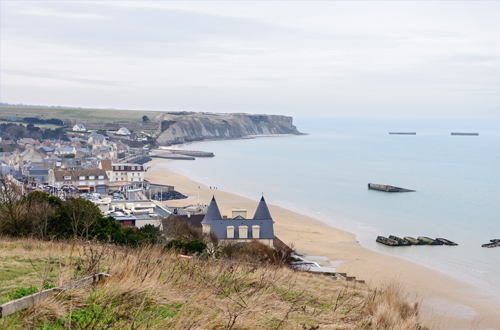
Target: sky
401	59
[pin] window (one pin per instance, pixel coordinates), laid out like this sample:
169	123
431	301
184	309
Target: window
91	177
230	231
82	177
243	231
139	168
81	183
256	231
133	168
122	168
100	182
101	176
91	183
67	178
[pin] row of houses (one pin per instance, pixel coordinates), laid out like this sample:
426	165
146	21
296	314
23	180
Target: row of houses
82	128
109	176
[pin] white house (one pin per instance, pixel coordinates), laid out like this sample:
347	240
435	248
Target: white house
124	176
79	128
123	131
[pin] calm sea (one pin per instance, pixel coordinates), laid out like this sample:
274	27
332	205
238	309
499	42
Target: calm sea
325	175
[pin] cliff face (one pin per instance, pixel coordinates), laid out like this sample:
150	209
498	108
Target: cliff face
186	127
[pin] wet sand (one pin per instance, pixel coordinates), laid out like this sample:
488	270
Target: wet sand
446	302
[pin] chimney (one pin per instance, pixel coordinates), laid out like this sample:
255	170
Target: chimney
239	212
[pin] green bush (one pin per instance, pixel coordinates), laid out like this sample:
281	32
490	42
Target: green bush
23	292
192	247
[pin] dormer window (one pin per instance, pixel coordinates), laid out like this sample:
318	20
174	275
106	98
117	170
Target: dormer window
67	178
122	168
91	177
133	168
82	177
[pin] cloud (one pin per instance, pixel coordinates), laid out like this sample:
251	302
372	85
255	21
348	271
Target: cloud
331	56
60	77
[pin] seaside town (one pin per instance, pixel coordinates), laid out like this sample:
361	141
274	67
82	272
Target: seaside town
240	165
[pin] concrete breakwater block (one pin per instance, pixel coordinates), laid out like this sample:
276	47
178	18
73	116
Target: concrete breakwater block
414	241
386	241
387	188
421	240
494	243
401	241
429	241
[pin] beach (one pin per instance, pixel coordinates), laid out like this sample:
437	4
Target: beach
446	303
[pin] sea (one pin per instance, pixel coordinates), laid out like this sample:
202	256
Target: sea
325	173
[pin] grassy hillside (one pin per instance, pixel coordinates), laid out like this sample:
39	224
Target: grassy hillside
151	289
80	115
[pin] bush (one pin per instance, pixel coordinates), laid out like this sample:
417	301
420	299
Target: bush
192	247
23	292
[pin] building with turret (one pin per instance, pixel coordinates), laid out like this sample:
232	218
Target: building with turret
239	229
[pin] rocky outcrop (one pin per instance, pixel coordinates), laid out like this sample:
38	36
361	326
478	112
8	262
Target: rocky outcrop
181	127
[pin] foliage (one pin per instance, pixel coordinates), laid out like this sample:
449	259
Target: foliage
46	216
23	292
145	119
52	121
151	289
191	247
69	156
166	124
17	131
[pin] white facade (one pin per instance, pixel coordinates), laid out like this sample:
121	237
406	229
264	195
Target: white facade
79	128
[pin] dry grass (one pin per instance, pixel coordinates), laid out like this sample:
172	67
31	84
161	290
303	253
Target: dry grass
153	289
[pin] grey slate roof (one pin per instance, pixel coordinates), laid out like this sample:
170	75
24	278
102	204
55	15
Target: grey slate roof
262	211
38	170
213	212
261	218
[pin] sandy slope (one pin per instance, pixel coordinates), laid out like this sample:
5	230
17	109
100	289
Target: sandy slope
447	303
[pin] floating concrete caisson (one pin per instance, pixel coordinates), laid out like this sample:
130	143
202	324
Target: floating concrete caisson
494	243
387	188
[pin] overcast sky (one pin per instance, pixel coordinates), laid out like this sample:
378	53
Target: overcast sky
329	58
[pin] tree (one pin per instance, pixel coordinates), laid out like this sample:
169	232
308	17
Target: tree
82	215
145	119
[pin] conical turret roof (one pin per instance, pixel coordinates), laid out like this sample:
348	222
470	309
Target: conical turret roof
262	211
213	212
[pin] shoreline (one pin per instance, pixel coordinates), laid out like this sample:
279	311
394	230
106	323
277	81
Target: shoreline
446	302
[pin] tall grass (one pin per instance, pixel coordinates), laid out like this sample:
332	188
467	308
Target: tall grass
153	289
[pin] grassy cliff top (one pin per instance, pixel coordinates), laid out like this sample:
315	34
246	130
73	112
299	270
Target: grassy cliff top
77	114
151	289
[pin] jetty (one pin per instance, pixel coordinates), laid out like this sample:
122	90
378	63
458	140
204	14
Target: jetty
403	133
387	188
169	155
466	134
192	153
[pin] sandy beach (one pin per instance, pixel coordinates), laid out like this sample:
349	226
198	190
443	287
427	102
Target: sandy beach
446	302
